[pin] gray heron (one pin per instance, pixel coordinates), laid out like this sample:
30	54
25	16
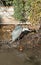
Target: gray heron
17	32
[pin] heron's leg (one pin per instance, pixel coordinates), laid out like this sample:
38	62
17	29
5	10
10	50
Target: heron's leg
17	41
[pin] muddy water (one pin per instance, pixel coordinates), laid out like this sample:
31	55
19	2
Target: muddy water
11	58
15	57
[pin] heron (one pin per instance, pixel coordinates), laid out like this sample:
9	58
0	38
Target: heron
17	32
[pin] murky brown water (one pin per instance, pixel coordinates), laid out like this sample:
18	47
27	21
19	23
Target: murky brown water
14	57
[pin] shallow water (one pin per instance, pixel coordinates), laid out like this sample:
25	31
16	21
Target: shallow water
15	57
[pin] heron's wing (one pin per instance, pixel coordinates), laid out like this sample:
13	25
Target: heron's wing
16	34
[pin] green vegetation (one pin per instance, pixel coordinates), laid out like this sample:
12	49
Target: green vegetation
19	7
6	2
28	10
9	2
35	12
